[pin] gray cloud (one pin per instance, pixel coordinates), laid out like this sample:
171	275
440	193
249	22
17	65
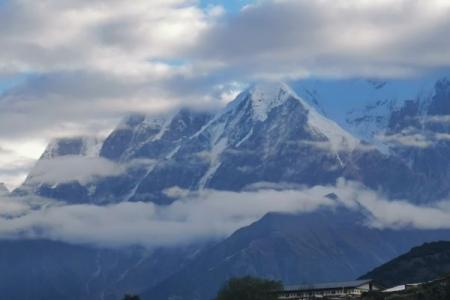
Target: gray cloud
73	168
331	38
17	167
81	168
111	58
184	221
414	138
150	225
14	166
99	34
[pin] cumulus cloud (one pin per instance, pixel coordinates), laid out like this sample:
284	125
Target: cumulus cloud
112	58
269	38
103	35
284	38
206	215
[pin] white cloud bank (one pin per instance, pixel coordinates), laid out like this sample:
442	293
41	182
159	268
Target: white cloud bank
287	38
110	35
203	215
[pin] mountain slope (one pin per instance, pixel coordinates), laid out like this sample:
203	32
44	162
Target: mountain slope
420	135
315	247
416	132
423	263
266	134
50	270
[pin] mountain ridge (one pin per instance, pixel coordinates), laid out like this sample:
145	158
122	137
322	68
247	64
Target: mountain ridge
322	246
423	263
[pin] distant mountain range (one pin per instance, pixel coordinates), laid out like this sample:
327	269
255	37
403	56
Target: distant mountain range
51	270
323	246
268	135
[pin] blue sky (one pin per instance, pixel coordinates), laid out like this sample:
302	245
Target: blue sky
232	6
11	81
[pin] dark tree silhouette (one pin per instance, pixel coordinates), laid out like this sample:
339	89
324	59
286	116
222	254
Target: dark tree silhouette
249	288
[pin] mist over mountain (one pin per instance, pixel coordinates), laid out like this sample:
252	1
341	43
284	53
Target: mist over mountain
3	189
193	190
324	246
268	134
159	148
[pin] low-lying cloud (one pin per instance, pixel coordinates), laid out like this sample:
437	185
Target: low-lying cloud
414	138
70	168
83	169
204	215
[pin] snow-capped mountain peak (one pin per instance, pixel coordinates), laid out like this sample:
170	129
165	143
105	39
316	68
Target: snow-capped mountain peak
265	96
268	95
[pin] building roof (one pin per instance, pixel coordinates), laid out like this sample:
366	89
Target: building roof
328	285
402	287
397	288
